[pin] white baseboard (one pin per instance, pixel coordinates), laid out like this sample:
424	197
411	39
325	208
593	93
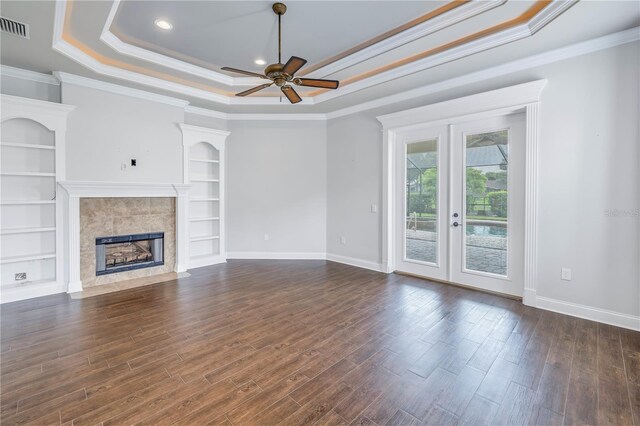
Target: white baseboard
366	264
199	262
587	312
266	255
16	294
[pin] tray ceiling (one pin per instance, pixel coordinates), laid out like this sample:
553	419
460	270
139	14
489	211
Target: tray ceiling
369	46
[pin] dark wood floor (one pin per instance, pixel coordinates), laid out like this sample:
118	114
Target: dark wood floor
298	342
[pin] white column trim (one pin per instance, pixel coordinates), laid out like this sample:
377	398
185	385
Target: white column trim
182	227
73	231
531	205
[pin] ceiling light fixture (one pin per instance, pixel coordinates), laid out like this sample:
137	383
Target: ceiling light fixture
165	25
260	61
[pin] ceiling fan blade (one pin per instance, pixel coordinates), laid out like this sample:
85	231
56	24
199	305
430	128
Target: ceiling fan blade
254	90
253	74
314	82
291	94
293	65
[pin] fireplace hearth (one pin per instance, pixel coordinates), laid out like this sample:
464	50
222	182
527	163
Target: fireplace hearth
127	252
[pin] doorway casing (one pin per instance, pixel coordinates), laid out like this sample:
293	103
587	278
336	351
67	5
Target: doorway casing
524	98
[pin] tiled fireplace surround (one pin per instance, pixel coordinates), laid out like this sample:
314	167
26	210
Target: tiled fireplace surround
101	209
107	217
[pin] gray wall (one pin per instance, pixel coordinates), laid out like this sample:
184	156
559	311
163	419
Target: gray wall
276	185
589	156
29	89
107	130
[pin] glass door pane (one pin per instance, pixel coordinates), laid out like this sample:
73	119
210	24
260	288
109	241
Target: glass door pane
486	202
421	201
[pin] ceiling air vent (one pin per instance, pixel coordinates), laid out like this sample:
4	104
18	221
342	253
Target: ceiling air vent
14	27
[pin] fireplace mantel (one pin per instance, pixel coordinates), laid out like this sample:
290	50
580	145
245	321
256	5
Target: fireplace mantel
74	190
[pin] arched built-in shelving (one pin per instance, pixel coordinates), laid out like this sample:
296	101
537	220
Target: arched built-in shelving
203	151
32	163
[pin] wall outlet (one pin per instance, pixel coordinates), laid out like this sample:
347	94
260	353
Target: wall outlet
20	276
565	274
343	240
266	237
374	208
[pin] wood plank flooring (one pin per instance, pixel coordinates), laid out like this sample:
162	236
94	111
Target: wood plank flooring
303	342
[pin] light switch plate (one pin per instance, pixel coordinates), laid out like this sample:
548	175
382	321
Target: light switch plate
565	274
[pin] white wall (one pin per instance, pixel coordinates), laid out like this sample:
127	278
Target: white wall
589	158
276	185
107	130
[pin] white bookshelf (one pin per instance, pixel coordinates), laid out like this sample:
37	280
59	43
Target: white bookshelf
32	162
204	171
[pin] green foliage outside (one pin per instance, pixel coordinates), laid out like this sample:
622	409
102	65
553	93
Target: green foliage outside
481	202
498	202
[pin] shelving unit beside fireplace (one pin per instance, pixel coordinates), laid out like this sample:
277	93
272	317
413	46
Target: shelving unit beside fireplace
204	171
32	162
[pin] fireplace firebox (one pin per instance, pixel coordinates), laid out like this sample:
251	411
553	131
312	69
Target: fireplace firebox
126	252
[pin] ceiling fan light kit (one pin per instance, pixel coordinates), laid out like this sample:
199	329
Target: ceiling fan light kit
283	75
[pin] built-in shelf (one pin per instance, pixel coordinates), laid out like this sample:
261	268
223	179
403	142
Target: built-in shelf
204	180
199	160
26	202
32	137
204	238
26	258
203	219
28	145
30	174
204	168
26	230
204	199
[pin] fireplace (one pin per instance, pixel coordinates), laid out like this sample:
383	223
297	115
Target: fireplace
126	252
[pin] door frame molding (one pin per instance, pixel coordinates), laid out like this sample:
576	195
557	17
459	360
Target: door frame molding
519	98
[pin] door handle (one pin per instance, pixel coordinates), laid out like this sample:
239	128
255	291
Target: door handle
455	224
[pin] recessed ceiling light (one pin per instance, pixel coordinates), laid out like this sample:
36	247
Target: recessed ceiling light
260	61
165	25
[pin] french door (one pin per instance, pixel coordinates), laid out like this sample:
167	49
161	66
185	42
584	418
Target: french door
459	203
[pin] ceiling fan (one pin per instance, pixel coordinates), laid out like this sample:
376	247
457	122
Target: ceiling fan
282	75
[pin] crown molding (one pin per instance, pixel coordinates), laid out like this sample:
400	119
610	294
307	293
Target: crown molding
510	35
23	74
553	10
601	43
254	117
612	40
430	26
117	89
111	40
